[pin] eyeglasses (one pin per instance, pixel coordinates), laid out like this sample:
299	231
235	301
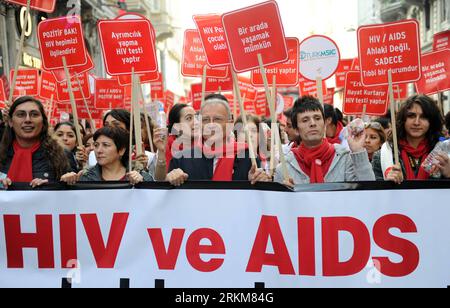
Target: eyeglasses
24	114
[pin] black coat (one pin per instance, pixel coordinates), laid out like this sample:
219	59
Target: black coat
42	167
201	169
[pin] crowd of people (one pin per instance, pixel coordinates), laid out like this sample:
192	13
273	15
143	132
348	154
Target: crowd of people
318	143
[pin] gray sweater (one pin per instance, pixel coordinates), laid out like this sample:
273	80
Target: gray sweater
94	174
346	167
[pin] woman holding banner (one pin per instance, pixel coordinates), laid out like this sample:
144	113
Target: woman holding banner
28	154
419	127
111	151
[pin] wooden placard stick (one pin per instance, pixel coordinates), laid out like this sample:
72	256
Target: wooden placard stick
393	119
72	102
147	122
244	120
204	85
266	84
19	55
319	82
137	115
85	102
50	111
130	149
364	113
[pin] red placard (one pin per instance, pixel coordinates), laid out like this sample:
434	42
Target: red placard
441	41
63	91
436	73
128	44
392	46
261	104
27	82
345	66
401	91
48	85
169	101
356	95
62	37
213	39
194	58
307	87
60	75
47	6
255	30
125	80
355	65
247	89
2	95
288	102
216	84
196	96
157	88
286	73
97	114
328	99
108	94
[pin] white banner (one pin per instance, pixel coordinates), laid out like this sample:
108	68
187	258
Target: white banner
225	238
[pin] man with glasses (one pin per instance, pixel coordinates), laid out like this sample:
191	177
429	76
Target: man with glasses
219	157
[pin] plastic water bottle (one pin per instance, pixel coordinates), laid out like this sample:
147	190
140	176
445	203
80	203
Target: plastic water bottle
162	118
431	160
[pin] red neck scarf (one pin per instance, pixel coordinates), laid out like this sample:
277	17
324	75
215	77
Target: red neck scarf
226	155
422	151
336	139
21	169
315	162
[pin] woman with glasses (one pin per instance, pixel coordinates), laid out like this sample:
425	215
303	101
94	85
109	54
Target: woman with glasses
375	138
28	154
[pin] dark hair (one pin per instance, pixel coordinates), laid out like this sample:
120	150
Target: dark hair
385	122
54	153
305	104
86	138
120	115
175	115
430	111
120	137
288	113
333	113
447	121
216	96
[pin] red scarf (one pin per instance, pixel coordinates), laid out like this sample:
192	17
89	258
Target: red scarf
422	152
315	162
225	165
21	169
336	139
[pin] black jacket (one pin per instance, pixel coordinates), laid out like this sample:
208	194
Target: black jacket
201	169
42	167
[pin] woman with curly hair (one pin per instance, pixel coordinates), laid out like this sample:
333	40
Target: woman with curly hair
419	127
28	154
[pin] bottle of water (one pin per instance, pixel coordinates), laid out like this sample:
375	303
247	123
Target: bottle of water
431	160
162	118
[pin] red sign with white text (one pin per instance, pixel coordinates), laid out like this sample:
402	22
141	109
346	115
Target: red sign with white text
286	73
47	6
48	85
27	82
401	91
60	74
219	85
307	87
356	95
157	88
59	38
261	105
328	99
255	30
441	41
196	96
345	66
63	89
194	58
108	94
392	46
213	39
436	73
128	44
